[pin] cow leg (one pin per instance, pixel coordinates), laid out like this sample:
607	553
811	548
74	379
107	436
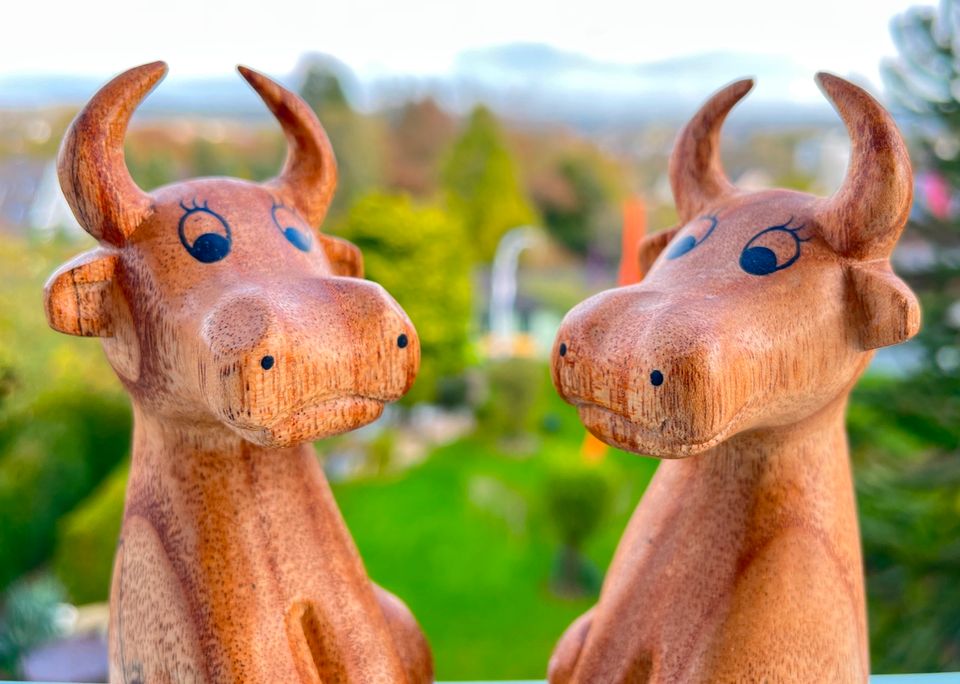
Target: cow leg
409	638
563	662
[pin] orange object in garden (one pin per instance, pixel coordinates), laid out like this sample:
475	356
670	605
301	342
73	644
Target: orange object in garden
732	360
634	230
242	333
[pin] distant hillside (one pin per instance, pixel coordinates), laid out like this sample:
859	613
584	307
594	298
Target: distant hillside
522	81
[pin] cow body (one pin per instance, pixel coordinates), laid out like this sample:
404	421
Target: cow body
732	360
242	334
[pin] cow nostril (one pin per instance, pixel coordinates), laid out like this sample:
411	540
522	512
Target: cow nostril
656	378
402	341
563	349
266	363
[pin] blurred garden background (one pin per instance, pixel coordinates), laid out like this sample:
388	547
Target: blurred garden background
488	201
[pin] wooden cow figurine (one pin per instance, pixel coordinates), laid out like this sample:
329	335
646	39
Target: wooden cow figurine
733	360
242	334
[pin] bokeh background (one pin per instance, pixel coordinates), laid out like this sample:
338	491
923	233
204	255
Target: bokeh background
496	162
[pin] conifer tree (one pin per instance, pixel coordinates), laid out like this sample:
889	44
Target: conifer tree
906	432
482	185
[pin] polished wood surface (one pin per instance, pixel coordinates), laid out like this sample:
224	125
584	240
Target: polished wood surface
241	334
733	360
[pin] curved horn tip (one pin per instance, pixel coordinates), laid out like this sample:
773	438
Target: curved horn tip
833	86
258	81
839	91
724	99
822	76
718	105
741	86
729	95
151	73
250	75
273	94
828	81
156	66
138	81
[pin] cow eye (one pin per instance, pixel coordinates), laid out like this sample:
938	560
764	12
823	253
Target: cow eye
285	221
212	242
688	242
772	249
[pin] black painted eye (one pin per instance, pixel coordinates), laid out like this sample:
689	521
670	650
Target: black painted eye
210	245
688	242
284	219
772	249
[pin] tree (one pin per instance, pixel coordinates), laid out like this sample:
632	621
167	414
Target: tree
420	134
574	201
321	87
52	455
925	81
481	184
908	468
421	256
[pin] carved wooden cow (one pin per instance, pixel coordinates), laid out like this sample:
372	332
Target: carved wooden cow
241	334
733	359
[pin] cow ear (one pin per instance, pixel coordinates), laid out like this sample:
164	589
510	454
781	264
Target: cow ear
345	257
651	246
887	311
78	297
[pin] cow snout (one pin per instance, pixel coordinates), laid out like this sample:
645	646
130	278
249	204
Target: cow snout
644	372
603	352
305	360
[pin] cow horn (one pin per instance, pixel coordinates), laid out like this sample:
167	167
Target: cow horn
309	175
91	167
866	215
696	172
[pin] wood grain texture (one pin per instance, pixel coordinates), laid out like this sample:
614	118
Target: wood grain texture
242	334
733	360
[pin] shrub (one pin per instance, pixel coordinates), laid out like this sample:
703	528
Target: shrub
577	500
29	615
515	393
87	538
52	455
483	187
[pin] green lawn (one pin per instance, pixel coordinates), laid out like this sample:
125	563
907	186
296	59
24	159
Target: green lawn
465	540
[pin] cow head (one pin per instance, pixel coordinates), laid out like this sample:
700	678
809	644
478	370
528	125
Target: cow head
218	299
759	309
